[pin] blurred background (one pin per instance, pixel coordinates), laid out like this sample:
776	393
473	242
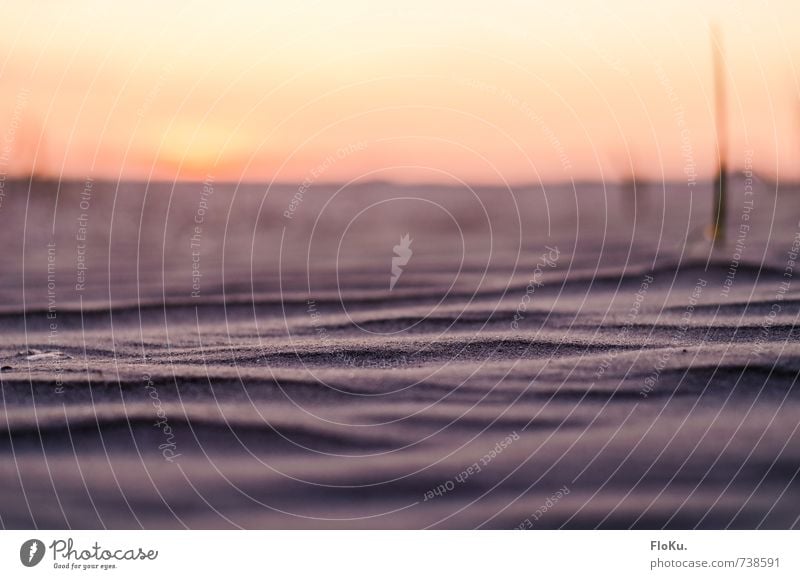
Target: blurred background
526	91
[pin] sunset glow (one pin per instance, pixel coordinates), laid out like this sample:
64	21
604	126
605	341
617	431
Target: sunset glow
451	92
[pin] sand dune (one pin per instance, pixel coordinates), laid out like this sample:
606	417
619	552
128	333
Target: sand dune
638	380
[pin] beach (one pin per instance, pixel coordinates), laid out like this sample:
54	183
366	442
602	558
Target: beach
377	355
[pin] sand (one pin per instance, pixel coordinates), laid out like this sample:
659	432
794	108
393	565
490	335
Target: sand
548	357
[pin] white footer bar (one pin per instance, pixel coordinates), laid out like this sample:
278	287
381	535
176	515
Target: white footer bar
401	554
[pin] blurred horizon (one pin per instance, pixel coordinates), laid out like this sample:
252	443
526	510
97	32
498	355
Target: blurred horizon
643	182
451	93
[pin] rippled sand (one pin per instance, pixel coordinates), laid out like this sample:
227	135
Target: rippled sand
545	359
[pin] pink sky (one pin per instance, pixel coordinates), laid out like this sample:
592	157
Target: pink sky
418	91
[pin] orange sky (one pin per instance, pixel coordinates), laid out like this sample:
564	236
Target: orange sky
413	91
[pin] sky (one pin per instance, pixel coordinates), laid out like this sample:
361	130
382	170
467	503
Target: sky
418	91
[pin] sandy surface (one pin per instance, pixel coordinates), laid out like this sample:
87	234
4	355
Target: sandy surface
234	357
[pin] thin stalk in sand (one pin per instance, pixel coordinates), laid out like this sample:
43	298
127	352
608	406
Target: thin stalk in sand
717	226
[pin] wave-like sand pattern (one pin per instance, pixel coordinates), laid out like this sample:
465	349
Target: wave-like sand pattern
649	381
